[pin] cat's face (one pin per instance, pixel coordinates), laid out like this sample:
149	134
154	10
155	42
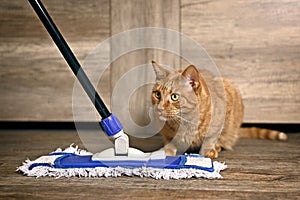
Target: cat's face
173	95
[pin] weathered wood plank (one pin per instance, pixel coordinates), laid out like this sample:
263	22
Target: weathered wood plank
130	14
256	45
257	169
36	83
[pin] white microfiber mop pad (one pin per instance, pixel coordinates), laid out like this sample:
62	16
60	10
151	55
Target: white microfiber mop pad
46	166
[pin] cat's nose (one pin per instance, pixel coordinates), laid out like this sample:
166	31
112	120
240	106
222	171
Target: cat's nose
160	108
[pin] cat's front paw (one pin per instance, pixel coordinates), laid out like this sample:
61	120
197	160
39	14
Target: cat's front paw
170	149
212	153
170	152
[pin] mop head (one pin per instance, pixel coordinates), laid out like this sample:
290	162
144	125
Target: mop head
73	162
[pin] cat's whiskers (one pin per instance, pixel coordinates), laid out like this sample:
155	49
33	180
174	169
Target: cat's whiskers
179	119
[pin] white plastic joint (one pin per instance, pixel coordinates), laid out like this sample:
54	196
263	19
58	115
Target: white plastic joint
121	144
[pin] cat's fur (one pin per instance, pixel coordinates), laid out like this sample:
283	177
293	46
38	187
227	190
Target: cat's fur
183	100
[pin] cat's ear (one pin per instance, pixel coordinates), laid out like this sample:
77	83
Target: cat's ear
160	72
192	75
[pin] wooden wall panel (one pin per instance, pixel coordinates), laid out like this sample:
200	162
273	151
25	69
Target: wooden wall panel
36	83
131	14
256	44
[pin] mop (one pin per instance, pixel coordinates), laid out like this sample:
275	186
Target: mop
121	160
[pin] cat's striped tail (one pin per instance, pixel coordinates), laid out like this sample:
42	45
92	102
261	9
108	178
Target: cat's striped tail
261	133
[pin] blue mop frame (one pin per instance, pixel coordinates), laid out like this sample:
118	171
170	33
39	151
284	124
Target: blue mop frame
71	160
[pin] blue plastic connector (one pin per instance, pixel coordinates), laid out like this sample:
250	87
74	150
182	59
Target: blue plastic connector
111	125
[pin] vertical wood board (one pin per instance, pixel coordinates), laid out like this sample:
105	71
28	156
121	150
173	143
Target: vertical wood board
256	44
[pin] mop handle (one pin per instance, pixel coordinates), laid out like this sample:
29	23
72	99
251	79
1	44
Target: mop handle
69	57
110	123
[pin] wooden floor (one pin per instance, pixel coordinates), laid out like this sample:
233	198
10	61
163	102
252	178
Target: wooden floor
258	169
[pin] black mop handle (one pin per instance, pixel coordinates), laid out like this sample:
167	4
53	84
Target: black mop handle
69	57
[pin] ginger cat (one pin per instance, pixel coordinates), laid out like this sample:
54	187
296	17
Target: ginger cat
182	99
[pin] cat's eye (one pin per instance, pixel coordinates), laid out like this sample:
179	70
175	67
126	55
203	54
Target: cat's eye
175	97
157	94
